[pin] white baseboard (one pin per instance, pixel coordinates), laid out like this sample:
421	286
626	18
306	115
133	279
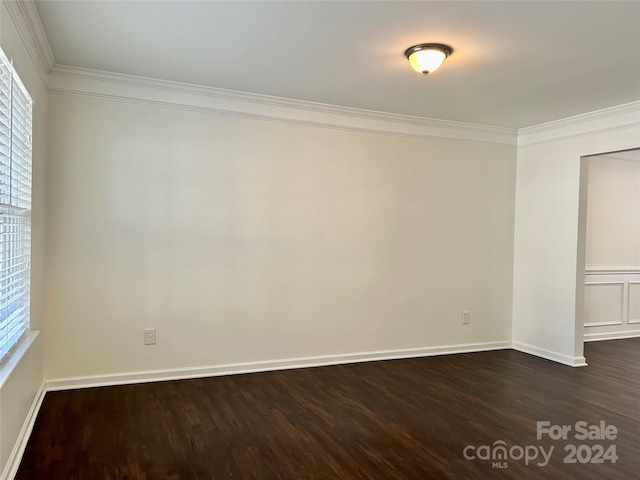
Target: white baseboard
13	462
550	355
595	337
263	366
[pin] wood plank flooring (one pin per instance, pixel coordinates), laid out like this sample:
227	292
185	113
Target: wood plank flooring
400	419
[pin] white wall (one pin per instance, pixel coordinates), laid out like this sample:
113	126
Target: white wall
245	240
549	240
22	374
613	212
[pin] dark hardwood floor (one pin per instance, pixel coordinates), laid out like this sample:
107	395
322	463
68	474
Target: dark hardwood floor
401	419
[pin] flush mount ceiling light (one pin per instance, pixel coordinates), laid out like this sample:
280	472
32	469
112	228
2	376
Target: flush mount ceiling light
427	57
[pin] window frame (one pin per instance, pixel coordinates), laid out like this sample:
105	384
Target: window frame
16	126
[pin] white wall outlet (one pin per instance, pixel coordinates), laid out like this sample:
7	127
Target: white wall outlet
149	336
466	318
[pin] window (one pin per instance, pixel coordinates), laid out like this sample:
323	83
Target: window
15	206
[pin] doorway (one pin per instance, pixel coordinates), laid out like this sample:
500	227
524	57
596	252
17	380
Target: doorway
610	234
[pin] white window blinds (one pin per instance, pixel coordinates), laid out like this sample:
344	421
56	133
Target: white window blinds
15	206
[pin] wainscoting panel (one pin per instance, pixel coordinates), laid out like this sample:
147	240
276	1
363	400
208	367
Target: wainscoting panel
633	302
611	303
604	303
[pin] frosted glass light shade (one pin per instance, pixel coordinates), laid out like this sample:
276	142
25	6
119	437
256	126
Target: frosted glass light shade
427	57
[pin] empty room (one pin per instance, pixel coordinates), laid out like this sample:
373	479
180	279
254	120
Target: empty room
318	240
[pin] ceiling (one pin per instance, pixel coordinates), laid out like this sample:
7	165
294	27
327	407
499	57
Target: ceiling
515	64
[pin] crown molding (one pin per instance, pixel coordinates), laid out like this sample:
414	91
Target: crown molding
25	17
85	82
93	83
600	121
